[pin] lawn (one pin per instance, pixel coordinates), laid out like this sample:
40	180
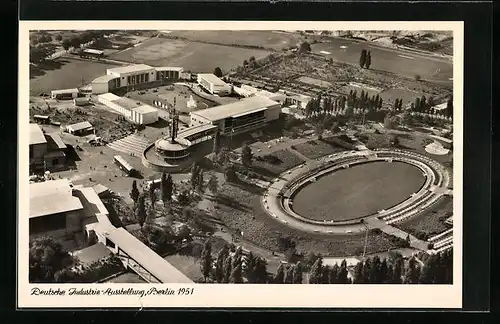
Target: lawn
262	39
430	222
275	163
188	265
240	208
192	56
358	191
64	73
316	148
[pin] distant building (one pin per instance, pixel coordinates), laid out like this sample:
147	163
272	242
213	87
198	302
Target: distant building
54	211
91	53
80	129
298	100
64	94
137	112
239	117
46	151
213	84
81	101
248	91
132	75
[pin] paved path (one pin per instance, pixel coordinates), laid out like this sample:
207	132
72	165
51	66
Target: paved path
391	230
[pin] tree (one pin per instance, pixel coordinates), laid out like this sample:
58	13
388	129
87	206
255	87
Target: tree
134	193
325	274
297	275
184	197
367	269
195	172
449	107
319	129
166	187
59	37
316	272
230	173
418	77
246	155
46	257
222	157
75	42
237	272
412	273
206	260
249	269
384	272
368	60
395	141
152	195
342	275
279	277
216	147
219	263
375	274
200	183
218	72
358	273
362	58
289	274
304	47
260	271
66	44
34	42
333	276
140	210
213	184
398	270
228	268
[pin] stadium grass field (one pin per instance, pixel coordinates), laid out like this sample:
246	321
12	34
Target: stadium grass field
358	191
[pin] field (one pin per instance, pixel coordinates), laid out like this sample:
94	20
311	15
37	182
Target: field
275	163
358	191
188	265
398	62
192	56
431	222
314	149
263	39
64	73
240	208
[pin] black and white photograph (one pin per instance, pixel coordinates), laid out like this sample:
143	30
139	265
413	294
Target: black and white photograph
168	158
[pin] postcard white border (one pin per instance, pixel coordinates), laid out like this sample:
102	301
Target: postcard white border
220	295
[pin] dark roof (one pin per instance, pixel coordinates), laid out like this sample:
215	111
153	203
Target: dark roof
92	253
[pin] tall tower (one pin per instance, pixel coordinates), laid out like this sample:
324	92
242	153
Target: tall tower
174	126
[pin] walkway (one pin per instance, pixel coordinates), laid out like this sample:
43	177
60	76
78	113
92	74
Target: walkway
391	230
132	144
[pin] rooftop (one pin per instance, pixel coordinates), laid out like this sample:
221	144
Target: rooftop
92	254
104	79
79	126
127	103
93	51
169	68
57	141
64	91
36	135
130	69
144	109
52	197
150	260
211	78
195	130
242	107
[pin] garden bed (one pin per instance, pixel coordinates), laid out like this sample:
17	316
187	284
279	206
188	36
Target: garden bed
240	209
317	148
432	221
275	163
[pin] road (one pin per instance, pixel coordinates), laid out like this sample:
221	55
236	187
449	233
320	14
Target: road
402	62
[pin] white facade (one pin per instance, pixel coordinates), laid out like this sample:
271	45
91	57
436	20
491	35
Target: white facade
100	87
214	85
70	93
108	99
144	115
133	74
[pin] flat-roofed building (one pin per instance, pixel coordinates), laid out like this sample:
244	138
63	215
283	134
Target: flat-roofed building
133	74
167	73
54	211
64	93
46	151
91	53
135	111
238	117
105	83
81	128
213	84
